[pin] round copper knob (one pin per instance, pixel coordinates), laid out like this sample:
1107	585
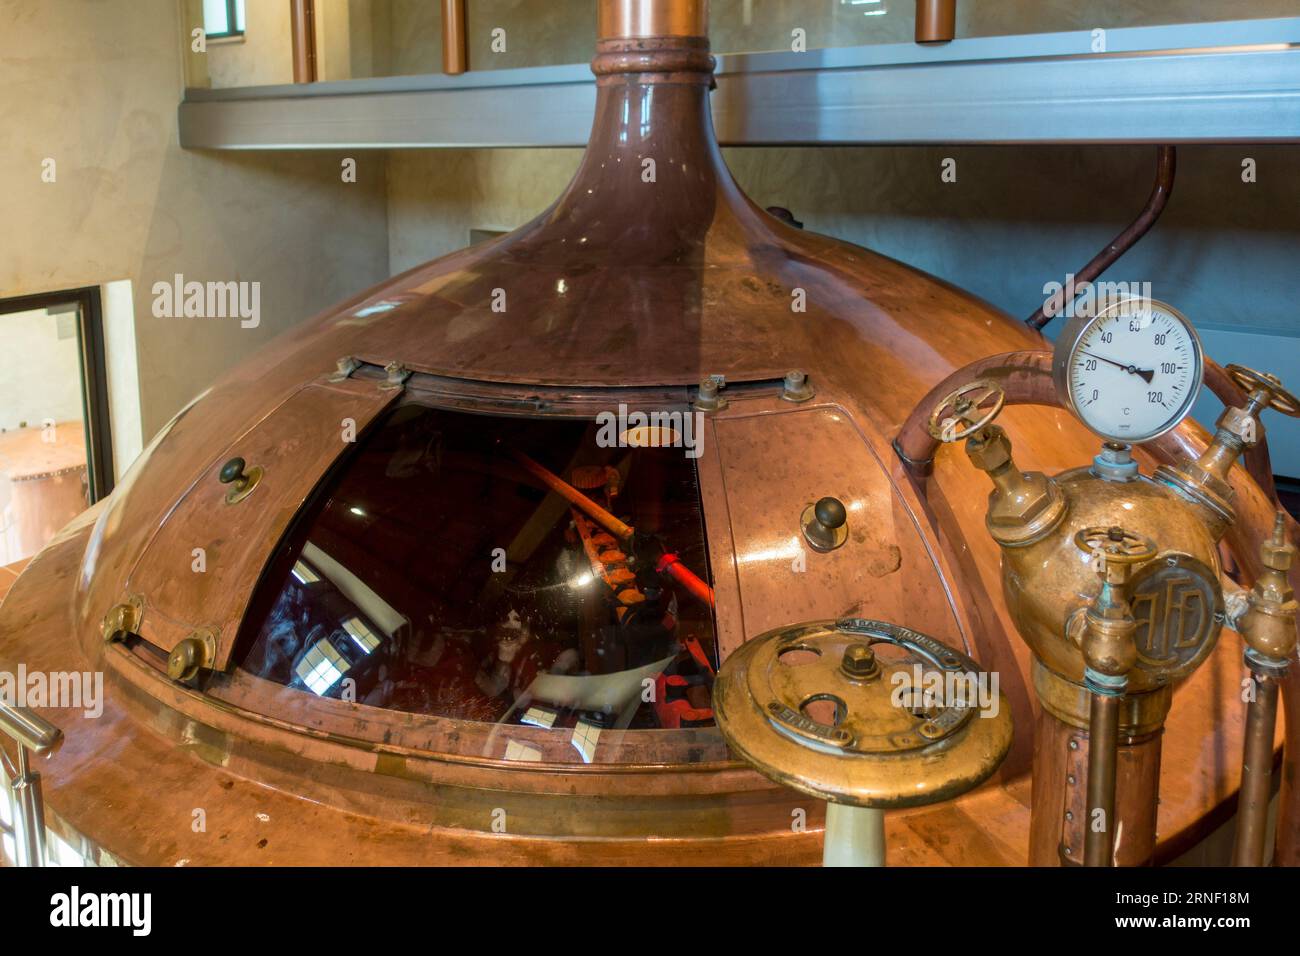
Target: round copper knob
830	513
233	471
241	481
825	524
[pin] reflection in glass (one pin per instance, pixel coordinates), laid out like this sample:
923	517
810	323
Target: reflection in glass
497	569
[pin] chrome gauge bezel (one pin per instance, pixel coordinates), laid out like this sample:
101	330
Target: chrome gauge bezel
1071	337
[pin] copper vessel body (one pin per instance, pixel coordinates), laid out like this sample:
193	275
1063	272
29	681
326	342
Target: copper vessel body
625	283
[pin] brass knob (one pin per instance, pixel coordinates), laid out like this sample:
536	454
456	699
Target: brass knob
241	481
233	471
796	388
1116	546
830	513
824	524
121	620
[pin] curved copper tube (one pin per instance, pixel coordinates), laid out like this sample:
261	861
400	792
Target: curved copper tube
1026	377
1166	167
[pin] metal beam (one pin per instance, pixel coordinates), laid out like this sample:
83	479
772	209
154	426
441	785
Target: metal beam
1236	81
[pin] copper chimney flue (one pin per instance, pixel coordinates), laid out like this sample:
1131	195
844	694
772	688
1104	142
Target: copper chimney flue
635	19
936	21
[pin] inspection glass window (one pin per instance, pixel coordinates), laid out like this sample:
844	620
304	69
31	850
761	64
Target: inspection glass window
223	18
498	569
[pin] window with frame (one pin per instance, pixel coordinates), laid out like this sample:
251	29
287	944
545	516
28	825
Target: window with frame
223	18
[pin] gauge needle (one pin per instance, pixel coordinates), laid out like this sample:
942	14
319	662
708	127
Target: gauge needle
1144	373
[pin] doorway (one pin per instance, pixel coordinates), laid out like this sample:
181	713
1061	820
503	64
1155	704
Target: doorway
56	456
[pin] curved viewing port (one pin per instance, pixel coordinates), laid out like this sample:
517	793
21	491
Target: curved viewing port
499	569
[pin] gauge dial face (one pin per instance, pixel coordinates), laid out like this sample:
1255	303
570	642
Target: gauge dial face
1132	372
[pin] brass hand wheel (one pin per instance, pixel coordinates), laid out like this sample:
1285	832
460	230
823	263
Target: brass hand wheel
867	715
1119	546
1278	398
966	410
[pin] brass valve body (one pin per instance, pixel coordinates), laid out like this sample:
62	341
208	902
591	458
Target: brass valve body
1177	601
1269	625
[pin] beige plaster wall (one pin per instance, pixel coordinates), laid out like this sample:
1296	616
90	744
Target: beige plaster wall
94	85
262	57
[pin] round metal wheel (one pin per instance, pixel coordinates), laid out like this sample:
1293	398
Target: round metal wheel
966	410
863	713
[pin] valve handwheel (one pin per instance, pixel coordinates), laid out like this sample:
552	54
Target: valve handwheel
1277	397
867	715
1119	546
967	410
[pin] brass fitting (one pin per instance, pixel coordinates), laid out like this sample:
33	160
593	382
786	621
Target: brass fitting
1205	480
1108	640
1269	629
192	654
1269	625
1023	506
122	619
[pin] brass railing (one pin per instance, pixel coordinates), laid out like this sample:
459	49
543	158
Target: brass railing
35	737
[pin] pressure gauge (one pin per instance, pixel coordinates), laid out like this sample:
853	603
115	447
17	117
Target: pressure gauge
1131	372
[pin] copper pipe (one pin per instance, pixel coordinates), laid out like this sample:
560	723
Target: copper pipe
1166	167
638	19
1287	848
936	21
1256	774
1025	376
302	23
455	43
575	497
1103	745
